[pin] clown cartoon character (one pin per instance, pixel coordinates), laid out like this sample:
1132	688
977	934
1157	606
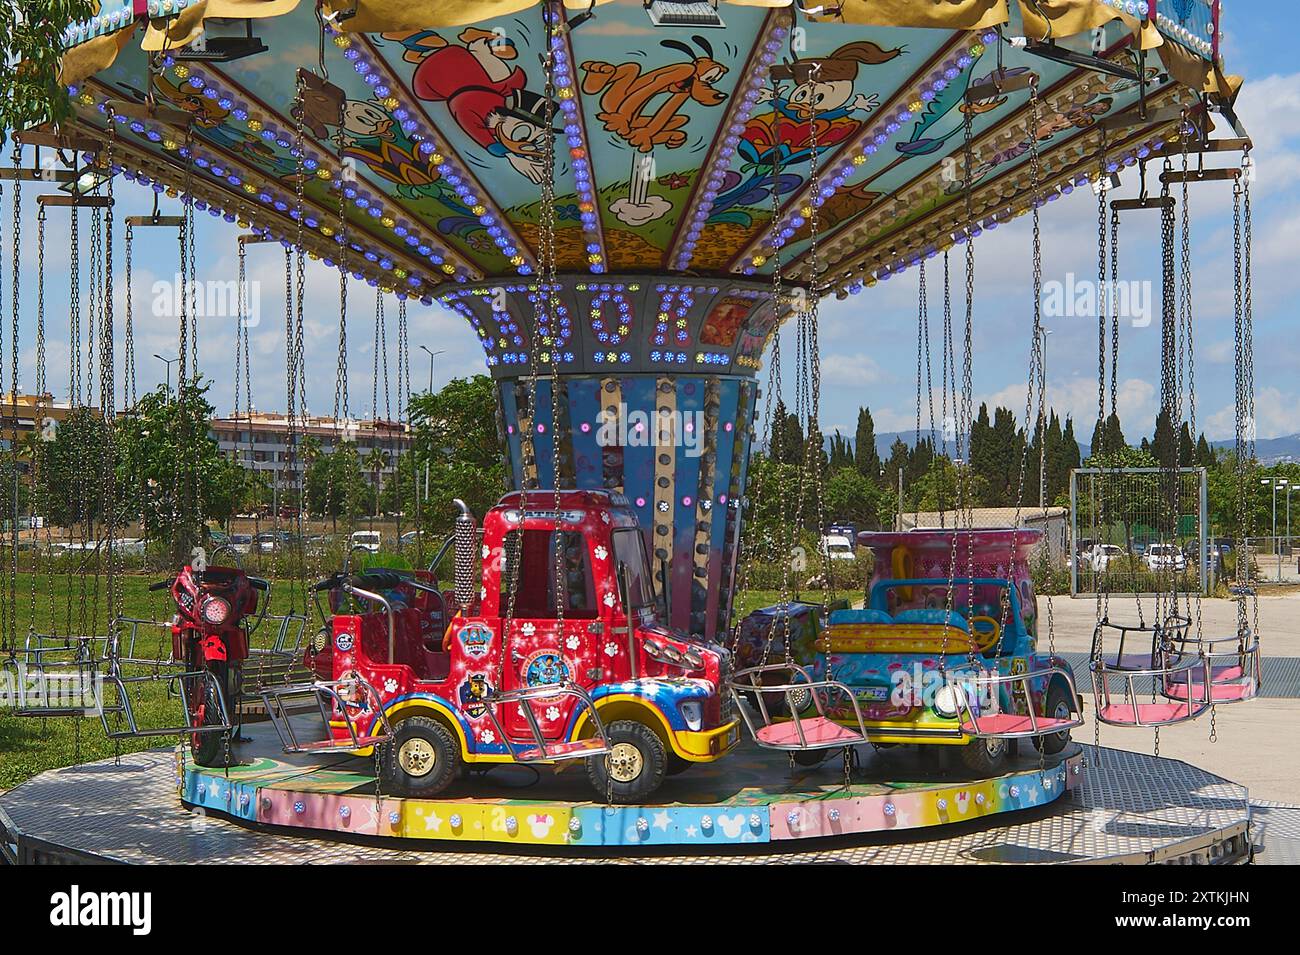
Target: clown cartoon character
484	91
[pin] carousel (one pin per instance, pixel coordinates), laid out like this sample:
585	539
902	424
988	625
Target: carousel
634	205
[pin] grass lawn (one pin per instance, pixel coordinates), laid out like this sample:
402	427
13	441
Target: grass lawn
29	746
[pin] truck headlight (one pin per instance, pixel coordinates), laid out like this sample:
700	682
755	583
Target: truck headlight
693	713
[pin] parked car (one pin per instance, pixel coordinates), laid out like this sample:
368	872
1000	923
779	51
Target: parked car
1165	557
270	541
366	540
838	547
1102	555
240	543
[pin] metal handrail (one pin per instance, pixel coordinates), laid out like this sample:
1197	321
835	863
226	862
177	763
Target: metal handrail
992	679
181	682
37	646
747	681
114	645
274	700
1164	677
525	695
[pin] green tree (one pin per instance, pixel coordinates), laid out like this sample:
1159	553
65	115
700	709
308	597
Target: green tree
71	487
851	496
937	489
865	455
170	472
897	463
1107	437
336	484
455	443
30	60
1204	453
1127	500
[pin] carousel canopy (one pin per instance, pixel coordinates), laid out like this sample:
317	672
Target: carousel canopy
691	139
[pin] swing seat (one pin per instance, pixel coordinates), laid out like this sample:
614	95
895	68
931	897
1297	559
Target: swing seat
1219	692
543	750
332	746
117	703
1233	667
806	727
1016	725
1150	714
334	702
569	749
819	732
1011	725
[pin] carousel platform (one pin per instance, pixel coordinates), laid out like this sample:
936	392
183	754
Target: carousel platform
1090	806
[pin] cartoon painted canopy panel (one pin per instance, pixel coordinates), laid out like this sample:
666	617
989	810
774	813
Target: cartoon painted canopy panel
678	149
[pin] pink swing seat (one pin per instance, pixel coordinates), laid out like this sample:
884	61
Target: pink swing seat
818	731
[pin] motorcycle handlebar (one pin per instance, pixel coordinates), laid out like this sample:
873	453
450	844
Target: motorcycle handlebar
162	584
329	583
259	583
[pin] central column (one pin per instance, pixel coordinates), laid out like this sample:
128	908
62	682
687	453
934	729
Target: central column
656	401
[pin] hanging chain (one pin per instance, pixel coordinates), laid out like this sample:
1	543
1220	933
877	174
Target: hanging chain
923	359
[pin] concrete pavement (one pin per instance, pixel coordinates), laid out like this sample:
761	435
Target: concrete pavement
1258	743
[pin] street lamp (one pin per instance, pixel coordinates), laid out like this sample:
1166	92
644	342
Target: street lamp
1042	420
168	362
1289	491
432	355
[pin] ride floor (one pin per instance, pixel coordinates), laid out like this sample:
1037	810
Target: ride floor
1091	805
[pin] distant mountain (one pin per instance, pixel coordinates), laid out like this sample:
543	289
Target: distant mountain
1271	450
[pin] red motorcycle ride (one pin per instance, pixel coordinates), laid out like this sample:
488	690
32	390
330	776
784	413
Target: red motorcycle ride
210	637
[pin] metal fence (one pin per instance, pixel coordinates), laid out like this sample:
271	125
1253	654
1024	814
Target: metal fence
1131	528
1274	560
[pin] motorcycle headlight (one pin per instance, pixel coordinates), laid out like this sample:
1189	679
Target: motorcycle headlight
215	610
321	640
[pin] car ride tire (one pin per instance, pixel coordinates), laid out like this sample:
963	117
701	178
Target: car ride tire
422	758
676	765
1056	705
984	757
634	767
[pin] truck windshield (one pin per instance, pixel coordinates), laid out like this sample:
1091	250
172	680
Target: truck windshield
630	559
535	586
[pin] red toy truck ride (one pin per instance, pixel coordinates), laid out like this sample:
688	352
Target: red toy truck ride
442	678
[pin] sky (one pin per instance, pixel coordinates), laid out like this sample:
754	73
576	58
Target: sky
868	340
